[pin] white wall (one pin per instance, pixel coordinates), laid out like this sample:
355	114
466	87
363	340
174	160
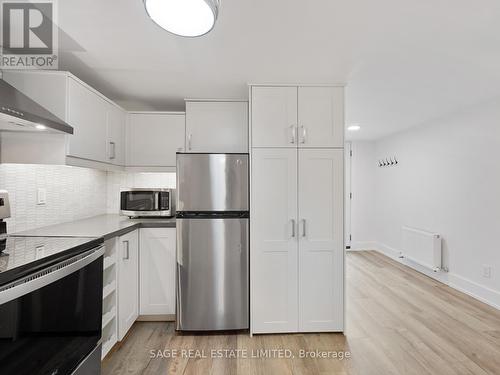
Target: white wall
363	190
448	181
72	193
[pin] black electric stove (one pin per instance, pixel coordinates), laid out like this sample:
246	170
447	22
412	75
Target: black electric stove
26	255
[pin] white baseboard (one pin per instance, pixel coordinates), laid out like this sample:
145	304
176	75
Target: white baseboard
363	245
480	292
473	289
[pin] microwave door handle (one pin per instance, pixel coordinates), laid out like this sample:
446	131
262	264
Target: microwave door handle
157	201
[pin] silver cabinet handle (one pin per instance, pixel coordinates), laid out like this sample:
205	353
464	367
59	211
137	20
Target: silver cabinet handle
303	227
127	250
190	137
293	227
304	134
294	134
112	150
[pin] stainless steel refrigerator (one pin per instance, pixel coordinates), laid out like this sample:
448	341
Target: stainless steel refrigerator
212	242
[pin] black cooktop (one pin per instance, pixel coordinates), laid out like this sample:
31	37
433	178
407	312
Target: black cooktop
25	255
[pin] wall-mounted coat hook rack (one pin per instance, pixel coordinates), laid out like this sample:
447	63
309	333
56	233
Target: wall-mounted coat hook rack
388	162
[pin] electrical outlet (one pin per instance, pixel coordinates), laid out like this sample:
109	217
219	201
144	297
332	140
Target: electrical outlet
41	196
486	271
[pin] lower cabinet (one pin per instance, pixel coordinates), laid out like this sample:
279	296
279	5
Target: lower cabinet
157	272
128	281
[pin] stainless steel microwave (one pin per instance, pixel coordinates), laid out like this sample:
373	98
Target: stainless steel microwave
147	202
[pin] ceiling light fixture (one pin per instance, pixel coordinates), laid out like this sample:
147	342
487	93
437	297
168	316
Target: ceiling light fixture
40	127
184	17
353	128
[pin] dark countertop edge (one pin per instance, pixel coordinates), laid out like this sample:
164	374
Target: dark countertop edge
38	265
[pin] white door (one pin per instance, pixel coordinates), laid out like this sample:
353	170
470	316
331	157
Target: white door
87	114
274	116
157	271
128	282
117	119
321	117
321	250
154	138
216	126
274	241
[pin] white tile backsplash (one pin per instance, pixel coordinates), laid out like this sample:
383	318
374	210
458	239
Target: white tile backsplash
72	193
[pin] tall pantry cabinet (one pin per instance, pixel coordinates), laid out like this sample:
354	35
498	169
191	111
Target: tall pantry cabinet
297	182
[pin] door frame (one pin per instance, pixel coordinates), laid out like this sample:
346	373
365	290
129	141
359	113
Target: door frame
348	194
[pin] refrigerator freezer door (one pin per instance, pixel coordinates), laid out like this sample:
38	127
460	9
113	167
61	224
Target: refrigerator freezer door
212	182
212	274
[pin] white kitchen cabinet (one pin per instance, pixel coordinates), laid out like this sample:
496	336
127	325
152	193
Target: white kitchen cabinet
297	116
87	114
320	116
274	287
153	138
116	121
320	234
274	116
157	272
217	126
98	122
297	240
128	281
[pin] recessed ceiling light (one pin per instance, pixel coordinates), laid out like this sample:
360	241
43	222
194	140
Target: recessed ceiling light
184	17
353	127
40	127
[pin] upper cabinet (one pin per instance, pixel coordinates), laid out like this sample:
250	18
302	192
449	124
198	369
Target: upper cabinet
297	116
98	123
87	114
274	116
217	126
153	138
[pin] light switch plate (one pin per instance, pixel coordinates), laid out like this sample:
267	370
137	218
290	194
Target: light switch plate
41	196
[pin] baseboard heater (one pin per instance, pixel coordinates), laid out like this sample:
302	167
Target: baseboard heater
423	248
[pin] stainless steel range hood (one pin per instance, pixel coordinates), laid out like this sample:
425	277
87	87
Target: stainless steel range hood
20	113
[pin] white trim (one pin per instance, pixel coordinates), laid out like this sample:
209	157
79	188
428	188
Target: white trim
216	100
297	84
480	292
363	245
179	113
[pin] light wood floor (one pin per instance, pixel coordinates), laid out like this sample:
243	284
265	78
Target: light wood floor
398	322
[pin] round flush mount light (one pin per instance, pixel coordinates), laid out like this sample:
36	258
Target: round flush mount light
353	127
188	18
40	127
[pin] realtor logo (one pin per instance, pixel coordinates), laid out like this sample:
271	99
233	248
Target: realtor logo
29	35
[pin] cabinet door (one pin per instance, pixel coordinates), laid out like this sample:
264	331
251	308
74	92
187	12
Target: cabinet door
321	117
321	254
87	113
217	127
116	135
157	271
154	138
128	282
274	117
274	241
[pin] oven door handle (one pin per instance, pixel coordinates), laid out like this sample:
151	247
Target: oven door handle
48	275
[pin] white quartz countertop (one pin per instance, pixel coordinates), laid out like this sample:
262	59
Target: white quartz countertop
106	226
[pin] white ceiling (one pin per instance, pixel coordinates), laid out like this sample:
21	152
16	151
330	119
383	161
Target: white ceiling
405	62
